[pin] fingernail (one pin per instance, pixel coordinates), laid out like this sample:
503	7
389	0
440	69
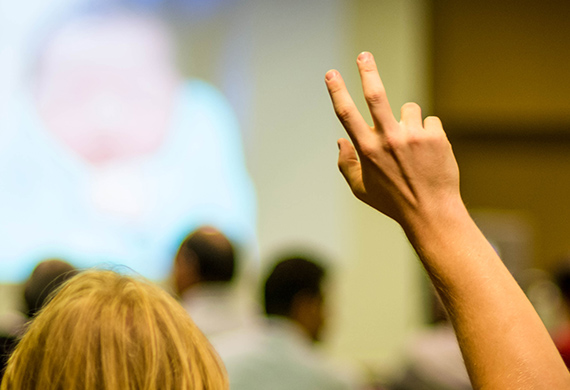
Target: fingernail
364	56
331	74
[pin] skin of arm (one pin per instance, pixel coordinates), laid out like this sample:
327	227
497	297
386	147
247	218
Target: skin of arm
407	171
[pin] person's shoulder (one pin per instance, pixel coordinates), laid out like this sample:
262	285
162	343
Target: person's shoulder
339	375
234	346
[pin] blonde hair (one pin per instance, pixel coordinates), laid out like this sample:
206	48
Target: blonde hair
108	331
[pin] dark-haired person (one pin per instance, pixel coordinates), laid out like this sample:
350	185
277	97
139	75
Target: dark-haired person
294	291
406	170
203	275
47	276
282	355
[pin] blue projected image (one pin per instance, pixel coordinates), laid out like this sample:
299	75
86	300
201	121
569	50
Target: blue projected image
114	157
202	8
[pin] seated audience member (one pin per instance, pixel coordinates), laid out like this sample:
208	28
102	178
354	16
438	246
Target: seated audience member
204	270
104	330
282	354
293	293
406	170
45	278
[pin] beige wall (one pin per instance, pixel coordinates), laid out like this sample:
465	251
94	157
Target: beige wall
376	299
380	301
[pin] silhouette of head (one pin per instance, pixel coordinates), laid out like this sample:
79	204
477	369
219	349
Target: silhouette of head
205	256
293	289
45	278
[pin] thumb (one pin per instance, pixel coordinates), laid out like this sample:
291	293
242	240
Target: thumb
350	167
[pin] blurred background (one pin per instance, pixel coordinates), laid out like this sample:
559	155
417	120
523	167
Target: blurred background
259	161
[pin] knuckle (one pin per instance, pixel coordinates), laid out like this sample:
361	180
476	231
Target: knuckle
436	139
334	88
376	96
343	113
393	141
340	165
367	151
368	68
434	136
416	138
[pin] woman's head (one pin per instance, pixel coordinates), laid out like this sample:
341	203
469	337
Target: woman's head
104	330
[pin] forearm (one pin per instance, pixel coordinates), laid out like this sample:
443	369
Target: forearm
503	341
406	170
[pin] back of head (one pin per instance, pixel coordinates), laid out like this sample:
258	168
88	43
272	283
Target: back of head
290	277
45	278
211	252
108	331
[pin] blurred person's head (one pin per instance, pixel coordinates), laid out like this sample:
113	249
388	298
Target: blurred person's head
293	289
105	84
104	330
45	278
205	256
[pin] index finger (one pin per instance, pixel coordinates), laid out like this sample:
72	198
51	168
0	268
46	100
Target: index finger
345	109
375	93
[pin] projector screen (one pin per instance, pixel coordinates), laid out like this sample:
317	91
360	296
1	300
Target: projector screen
110	151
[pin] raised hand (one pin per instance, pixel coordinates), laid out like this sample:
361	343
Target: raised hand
407	171
402	169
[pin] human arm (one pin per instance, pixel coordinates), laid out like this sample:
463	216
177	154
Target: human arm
407	171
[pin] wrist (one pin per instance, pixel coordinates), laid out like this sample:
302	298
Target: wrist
439	219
